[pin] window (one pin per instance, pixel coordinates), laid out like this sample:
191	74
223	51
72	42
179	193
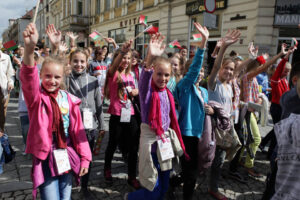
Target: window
141	43
118	35
98	7
66	7
107	5
118	3
79	7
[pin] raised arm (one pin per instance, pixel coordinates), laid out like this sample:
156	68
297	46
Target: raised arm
280	68
73	38
54	37
156	48
230	38
252	55
270	62
29	73
111	41
116	62
192	75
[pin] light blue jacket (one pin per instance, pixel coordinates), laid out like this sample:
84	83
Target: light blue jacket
191	111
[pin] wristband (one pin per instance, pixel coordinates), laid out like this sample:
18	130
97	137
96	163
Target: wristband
261	60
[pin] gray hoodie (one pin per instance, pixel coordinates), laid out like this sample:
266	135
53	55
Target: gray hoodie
85	87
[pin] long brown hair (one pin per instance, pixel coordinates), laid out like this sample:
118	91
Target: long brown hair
119	79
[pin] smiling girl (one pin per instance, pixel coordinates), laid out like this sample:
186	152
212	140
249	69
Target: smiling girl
123	125
57	134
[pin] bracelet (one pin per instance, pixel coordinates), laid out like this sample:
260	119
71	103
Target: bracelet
261	60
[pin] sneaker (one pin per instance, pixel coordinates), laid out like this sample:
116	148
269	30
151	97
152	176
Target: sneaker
237	176
252	172
217	195
134	183
107	176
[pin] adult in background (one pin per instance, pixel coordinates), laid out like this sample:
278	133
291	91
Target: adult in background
6	85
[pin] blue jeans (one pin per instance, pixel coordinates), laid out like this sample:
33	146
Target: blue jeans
24	127
160	189
55	188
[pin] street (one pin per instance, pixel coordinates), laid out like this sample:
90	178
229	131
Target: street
15	182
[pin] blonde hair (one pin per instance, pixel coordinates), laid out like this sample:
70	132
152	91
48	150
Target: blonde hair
57	61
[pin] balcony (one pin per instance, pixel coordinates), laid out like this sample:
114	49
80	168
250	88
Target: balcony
76	20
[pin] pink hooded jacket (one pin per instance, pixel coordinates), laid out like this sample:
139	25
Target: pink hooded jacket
40	114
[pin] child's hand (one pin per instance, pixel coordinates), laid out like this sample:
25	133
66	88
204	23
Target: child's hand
204	32
156	48
231	37
63	48
83	171
109	40
289	52
54	35
208	109
126	46
252	51
31	37
71	35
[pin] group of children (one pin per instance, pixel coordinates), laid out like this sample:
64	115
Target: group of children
158	111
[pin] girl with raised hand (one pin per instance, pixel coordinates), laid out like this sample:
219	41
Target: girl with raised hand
123	125
192	100
250	93
56	139
159	126
86	87
220	90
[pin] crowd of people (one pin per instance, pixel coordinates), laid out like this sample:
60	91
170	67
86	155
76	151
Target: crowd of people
171	118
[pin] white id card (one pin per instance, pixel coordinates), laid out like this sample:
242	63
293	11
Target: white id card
125	115
87	118
62	160
165	149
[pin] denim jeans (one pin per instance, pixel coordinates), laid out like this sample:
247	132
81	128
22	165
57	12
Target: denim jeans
160	188
24	120
55	188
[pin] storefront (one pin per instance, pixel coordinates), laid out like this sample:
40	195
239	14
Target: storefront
123	29
196	12
286	19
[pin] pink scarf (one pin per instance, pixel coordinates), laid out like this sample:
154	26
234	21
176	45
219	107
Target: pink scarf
155	115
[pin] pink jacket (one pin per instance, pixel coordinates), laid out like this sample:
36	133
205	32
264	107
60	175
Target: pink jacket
40	114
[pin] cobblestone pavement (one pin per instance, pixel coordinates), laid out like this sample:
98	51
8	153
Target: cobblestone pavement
15	182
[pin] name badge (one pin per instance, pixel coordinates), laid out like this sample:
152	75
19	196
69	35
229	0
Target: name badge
165	149
62	160
87	118
125	114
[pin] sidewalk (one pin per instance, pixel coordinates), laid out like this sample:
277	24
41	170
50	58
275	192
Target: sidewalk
15	182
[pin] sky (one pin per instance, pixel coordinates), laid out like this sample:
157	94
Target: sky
13	9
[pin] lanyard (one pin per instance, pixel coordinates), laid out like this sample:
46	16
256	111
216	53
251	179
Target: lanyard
87	88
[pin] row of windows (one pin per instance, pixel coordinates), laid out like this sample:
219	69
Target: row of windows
107	4
141	43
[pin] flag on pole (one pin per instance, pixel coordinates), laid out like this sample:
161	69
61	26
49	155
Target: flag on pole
175	44
296	42
143	20
197	37
11	45
94	35
151	30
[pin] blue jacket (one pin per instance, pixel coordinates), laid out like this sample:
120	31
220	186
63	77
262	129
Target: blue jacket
191	111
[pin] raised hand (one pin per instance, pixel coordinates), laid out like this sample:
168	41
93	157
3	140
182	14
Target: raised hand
109	40
219	43
156	46
54	35
126	46
231	37
203	30
253	51
31	36
71	35
62	48
289	52
283	48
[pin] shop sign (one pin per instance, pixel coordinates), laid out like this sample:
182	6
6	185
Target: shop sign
197	7
128	22
287	13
